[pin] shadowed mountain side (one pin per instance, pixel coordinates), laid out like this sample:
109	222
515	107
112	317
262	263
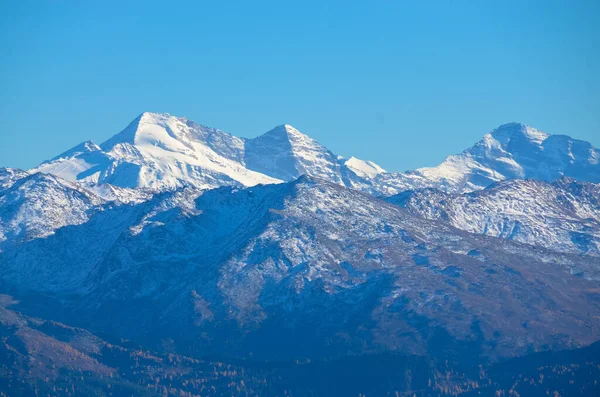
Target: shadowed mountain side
244	272
42	357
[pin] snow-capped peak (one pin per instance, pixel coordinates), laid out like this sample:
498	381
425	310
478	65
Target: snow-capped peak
148	127
286	134
84	147
283	129
512	151
511	131
286	153
363	168
160	151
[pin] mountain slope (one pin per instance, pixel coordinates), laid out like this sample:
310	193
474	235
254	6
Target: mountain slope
244	271
42	357
563	215
36	205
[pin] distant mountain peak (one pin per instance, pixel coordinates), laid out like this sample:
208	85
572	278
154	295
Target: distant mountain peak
84	147
286	131
126	135
509	131
286	153
363	168
161	152
512	151
153	117
140	126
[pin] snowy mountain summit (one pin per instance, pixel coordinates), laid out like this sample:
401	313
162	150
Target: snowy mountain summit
513	151
161	152
164	152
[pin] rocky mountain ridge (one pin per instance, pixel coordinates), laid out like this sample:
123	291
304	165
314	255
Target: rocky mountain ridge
563	215
162	152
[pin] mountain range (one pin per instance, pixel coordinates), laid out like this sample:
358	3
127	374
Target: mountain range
190	241
159	151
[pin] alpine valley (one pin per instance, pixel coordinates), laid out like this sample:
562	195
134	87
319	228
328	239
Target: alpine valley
176	259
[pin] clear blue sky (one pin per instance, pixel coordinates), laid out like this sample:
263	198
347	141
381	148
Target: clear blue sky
403	83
